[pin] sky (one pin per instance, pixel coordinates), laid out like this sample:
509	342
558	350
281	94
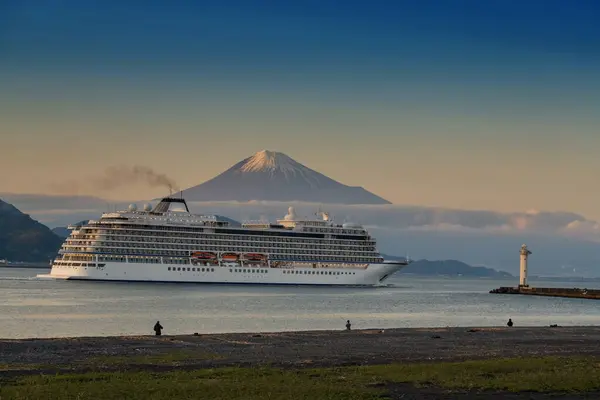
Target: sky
481	105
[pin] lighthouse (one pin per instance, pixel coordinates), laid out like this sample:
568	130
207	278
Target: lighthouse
523	274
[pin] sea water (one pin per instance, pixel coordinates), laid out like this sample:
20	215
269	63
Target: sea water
32	307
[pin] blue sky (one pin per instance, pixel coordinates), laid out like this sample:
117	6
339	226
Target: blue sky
468	104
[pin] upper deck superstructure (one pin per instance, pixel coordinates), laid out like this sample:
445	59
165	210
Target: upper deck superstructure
171	237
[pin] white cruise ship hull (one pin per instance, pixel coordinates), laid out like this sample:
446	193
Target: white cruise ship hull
373	275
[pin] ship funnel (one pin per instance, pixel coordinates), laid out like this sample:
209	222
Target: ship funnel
171	204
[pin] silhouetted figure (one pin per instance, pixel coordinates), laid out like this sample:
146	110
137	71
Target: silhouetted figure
509	323
348	325
157	328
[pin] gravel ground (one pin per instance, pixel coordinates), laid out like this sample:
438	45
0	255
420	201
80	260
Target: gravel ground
305	349
316	348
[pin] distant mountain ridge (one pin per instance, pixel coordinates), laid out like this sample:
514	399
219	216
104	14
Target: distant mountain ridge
64	232
61	231
274	176
448	268
24	239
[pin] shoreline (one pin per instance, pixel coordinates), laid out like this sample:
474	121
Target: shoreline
372	330
403	363
297	349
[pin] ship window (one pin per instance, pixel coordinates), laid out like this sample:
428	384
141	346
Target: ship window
169	268
202	269
178	269
212	270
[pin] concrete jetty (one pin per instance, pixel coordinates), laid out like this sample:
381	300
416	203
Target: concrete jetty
525	289
552	292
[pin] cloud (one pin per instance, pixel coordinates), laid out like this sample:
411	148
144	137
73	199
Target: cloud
586	229
62	210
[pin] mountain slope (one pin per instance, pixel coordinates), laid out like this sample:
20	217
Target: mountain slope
61	231
24	239
64	232
448	268
274	176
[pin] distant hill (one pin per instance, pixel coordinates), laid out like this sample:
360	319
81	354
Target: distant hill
273	176
64	232
24	239
61	231
448	268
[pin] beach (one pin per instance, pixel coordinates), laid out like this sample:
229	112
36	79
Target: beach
313	348
295	350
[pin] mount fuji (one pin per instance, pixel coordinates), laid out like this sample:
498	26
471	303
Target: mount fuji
273	176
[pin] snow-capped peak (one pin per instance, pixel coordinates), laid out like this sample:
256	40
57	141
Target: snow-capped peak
266	160
273	176
275	163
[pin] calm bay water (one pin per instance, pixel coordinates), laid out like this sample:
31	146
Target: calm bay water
31	307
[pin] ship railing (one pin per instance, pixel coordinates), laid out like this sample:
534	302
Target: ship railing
256	223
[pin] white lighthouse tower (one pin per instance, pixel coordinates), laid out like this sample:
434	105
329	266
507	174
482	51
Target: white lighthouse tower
523	275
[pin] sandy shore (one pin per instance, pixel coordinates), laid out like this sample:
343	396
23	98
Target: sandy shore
298	349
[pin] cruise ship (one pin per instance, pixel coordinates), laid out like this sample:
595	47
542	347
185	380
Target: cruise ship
168	243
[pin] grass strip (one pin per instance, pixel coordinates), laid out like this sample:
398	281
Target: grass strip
547	375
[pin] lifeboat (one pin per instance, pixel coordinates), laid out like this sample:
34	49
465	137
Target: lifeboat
255	257
203	255
230	257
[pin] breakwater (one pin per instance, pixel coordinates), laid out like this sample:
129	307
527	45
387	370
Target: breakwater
551	292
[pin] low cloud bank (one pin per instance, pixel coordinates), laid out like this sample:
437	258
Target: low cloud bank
62	210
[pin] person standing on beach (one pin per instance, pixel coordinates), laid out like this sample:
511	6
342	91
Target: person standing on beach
348	325
509	323
157	328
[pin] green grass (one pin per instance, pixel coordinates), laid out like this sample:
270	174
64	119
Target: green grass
15	367
528	374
